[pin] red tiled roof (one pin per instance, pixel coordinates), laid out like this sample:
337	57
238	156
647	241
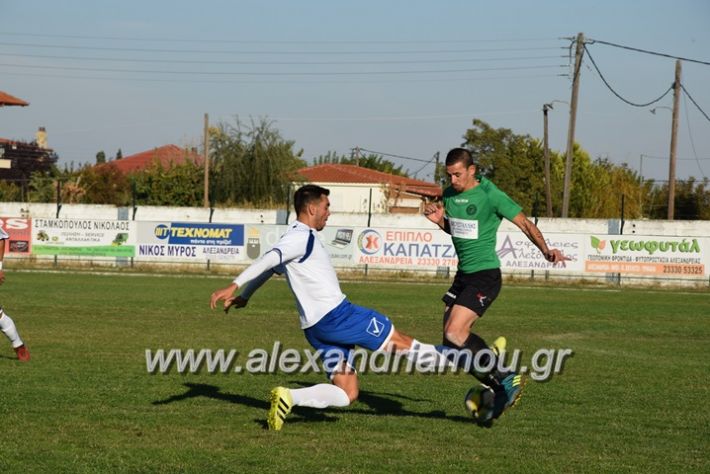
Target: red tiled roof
7	99
165	155
331	173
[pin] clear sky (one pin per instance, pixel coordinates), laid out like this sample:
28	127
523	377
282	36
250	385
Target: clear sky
399	77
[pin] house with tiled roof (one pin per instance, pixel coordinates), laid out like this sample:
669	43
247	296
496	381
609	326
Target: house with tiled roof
166	156
356	189
10	100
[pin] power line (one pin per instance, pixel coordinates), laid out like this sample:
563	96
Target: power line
616	93
222	41
690	134
424	166
264	52
280	63
655	53
666	158
394	156
279	73
694	103
285	81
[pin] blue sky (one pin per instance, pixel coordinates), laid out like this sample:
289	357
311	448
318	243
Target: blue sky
399	77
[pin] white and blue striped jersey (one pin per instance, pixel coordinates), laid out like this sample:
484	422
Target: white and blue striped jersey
302	257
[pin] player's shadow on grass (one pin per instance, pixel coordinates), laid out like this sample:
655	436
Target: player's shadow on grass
379	404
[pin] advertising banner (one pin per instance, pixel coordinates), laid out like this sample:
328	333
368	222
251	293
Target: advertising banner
20	231
190	241
659	256
517	252
83	237
403	248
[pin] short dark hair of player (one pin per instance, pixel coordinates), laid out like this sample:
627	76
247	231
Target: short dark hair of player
306	195
461	155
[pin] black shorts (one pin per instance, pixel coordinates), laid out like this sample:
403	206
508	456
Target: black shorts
476	291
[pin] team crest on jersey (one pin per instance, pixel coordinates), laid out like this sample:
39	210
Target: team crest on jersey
375	328
471	210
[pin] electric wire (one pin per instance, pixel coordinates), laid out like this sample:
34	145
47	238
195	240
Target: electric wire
606	83
393	156
690	135
694	103
646	51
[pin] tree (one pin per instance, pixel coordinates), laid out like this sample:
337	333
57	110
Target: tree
692	200
515	163
178	185
100	157
119	154
102	185
251	163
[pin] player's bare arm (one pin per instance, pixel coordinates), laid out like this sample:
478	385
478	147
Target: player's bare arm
535	235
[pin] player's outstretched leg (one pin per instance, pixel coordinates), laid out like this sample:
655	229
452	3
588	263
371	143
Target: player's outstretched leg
7	326
281	404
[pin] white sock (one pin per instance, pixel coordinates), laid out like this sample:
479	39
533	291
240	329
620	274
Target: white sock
7	325
427	356
320	396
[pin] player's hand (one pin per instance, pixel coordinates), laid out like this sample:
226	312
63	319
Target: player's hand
223	294
236	302
555	256
434	212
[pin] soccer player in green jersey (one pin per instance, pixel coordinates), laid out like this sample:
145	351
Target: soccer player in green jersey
472	210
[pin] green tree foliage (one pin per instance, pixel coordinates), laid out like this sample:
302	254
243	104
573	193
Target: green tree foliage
178	185
513	162
103	184
119	154
371	161
10	192
251	164
692	200
100	158
516	164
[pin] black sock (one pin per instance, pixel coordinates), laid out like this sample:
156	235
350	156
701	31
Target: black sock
475	344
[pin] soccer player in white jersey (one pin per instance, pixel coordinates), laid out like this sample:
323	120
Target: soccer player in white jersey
7	325
330	322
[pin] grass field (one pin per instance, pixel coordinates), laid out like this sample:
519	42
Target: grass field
633	398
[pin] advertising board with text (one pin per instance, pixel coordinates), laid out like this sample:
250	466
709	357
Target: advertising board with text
83	237
190	241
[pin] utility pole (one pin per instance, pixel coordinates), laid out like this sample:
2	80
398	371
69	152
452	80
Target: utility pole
357	156
572	123
674	142
437	176
206	159
546	149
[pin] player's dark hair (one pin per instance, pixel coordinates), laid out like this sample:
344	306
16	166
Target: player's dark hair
459	155
306	195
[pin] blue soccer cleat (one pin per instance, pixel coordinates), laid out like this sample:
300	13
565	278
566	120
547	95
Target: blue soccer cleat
508	393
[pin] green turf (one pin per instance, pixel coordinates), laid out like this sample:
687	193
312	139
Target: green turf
632	398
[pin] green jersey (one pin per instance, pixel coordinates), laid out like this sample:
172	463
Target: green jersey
474	217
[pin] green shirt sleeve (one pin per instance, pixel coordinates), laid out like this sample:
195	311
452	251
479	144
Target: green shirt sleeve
503	204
